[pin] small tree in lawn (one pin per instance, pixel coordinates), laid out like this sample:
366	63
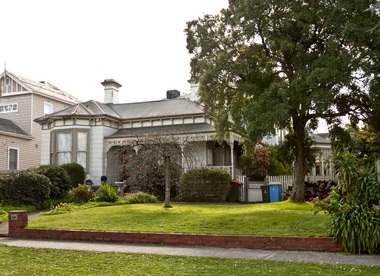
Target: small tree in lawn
146	153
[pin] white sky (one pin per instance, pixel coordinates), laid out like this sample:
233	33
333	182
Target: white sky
76	44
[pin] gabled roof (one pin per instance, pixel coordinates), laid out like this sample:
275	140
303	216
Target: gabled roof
43	88
130	111
12	128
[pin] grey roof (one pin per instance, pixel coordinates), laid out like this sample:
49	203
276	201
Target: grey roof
11	127
177	129
162	108
46	89
131	111
321	138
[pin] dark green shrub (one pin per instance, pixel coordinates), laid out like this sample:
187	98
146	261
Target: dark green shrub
107	193
24	188
82	194
354	206
60	180
140	198
76	173
205	185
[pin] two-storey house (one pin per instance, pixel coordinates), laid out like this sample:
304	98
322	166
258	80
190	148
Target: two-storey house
21	102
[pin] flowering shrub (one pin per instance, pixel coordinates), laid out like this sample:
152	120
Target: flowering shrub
256	164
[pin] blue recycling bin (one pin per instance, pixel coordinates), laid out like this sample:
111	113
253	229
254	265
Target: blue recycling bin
275	191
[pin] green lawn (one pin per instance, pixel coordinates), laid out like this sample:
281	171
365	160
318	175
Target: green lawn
270	219
30	261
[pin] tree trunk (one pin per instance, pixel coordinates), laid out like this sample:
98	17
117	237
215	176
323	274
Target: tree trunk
298	188
167	180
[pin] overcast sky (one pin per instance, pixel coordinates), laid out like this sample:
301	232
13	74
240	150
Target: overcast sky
76	44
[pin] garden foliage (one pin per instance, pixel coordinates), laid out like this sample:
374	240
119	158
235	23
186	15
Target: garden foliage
76	173
205	185
107	193
60	180
82	194
256	162
140	198
145	172
24	188
354	206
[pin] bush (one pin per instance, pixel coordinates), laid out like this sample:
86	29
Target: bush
205	185
107	193
24	188
82	194
76	173
140	198
354	206
60	180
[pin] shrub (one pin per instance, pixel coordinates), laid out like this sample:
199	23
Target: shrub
76	173
107	193
354	206
82	194
140	198
205	185
60	180
25	188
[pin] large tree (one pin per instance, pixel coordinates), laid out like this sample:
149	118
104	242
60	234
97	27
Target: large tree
267	64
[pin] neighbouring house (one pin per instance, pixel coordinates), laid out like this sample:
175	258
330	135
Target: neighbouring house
21	102
324	166
90	133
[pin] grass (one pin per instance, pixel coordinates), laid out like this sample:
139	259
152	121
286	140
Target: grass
31	261
270	219
6	208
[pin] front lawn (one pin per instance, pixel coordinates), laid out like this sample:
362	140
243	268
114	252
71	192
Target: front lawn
270	219
31	261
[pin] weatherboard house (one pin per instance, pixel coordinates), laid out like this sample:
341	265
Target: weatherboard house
21	101
90	133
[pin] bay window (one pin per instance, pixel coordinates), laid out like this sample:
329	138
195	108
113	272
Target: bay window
70	146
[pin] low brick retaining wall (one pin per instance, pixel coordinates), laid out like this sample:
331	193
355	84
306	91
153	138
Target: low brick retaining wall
18	220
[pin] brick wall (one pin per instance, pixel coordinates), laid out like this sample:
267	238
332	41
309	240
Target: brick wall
323	244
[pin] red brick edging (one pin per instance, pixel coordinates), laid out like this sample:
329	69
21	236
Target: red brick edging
18	220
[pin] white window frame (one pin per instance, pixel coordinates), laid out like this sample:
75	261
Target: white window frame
11	107
50	106
18	158
74	151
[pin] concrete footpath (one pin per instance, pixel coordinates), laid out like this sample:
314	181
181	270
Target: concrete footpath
242	253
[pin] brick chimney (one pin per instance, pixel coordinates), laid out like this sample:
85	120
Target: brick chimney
111	91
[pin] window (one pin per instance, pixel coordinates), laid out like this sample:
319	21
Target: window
48	108
70	146
12	159
13	107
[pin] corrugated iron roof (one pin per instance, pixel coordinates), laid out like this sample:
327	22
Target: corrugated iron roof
177	129
47	89
131	111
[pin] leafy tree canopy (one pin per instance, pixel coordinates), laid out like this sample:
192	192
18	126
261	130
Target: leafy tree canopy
267	64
